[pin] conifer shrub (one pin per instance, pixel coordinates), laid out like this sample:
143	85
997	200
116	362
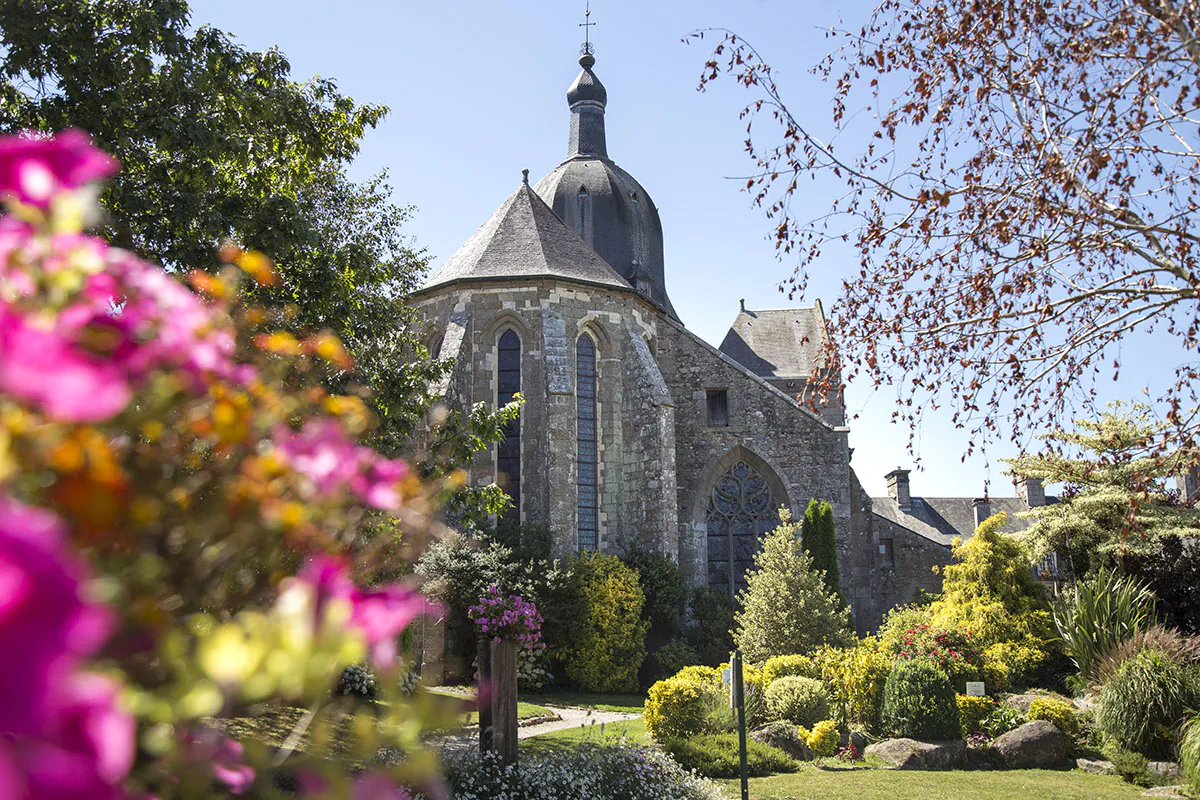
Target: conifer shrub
819	540
1060	713
610	642
919	703
716	756
786	606
802	701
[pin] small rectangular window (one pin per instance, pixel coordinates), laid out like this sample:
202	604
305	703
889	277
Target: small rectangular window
718	408
887	554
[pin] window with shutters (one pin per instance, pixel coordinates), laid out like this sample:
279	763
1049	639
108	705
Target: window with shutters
740	510
586	438
508	452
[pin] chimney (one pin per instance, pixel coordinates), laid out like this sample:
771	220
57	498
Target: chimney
897	482
983	510
1188	484
1030	491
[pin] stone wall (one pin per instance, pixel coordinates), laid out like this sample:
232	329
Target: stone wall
915	557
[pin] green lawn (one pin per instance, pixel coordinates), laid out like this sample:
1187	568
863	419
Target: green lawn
631	731
634	703
813	783
524	711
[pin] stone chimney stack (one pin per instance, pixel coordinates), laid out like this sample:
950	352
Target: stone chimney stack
983	510
897	482
1031	492
1188	484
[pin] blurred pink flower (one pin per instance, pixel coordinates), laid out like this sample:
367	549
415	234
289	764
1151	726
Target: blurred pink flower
224	755
325	455
34	168
46	628
43	367
377	786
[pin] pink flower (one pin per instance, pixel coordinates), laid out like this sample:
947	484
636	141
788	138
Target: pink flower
225	755
377	786
45	626
326	457
383	614
33	168
42	367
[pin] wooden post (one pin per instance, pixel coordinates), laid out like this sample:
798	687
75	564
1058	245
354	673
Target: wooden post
483	654
504	700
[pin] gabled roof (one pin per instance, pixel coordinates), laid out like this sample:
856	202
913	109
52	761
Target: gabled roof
777	343
940	519
525	238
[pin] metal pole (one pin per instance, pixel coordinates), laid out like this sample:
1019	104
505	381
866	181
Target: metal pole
739	691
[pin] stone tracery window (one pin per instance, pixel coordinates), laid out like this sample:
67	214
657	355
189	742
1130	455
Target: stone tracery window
508	451
740	510
586	438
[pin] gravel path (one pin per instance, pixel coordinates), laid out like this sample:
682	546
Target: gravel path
569	717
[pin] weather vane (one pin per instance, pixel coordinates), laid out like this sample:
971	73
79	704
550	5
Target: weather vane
587	30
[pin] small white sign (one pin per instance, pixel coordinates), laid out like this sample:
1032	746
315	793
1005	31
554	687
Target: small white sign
727	677
976	689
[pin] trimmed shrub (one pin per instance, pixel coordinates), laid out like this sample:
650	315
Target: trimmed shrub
1189	754
1058	712
919	703
680	707
1144	700
824	738
803	701
701	674
777	667
716	756
610	643
973	711
786	607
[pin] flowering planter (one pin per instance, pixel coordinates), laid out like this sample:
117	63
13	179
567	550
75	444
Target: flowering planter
504	699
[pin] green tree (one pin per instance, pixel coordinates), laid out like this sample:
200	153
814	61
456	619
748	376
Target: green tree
820	541
219	144
990	592
610	640
1114	504
786	606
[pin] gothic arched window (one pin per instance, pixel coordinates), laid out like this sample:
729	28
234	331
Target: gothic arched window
585	414
508	452
740	510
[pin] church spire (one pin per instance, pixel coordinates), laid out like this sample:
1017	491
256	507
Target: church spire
587	99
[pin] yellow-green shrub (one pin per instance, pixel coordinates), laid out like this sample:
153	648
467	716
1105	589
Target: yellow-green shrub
778	667
679	707
974	710
1059	712
1012	665
699	674
855	677
611	641
823	740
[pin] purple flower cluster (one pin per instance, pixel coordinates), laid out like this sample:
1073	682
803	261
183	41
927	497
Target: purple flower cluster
508	618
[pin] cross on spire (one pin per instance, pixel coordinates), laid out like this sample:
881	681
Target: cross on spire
587	26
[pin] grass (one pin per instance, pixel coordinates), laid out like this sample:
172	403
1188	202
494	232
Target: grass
524	711
848	783
632	731
634	703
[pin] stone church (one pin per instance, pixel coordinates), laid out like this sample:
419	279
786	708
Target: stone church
634	428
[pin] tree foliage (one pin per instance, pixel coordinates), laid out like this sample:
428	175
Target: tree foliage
819	540
1019	186
1114	502
786	606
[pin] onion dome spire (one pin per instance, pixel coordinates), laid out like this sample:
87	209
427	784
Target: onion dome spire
587	99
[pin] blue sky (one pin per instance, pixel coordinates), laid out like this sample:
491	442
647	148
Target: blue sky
477	92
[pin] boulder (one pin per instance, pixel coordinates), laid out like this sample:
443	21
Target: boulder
1095	767
911	754
1021	702
785	736
1179	792
858	741
983	758
1034	745
1165	771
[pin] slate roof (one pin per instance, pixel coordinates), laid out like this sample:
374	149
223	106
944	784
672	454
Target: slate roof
524	238
940	519
777	343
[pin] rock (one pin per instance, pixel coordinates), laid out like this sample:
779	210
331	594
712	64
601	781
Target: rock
983	758
1180	792
1034	745
784	736
858	741
911	754
1095	767
1021	701
1164	770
